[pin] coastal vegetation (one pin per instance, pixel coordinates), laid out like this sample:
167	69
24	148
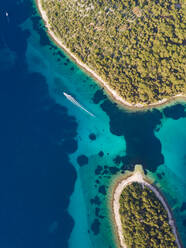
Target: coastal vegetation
145	222
137	47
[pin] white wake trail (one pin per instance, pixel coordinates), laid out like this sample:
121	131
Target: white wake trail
73	100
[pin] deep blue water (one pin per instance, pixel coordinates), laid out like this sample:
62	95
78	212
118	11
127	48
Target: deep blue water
40	131
36	136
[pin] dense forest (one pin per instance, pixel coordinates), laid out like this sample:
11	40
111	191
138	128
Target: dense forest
137	46
144	219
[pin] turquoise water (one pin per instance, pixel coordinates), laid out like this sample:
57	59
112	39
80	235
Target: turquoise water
107	145
173	184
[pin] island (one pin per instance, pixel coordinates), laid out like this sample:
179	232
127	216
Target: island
141	214
134	49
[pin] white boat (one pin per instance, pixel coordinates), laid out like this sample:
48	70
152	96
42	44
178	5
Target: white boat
7	16
73	100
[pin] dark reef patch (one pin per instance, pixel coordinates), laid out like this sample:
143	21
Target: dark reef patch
183	207
113	170
105	172
95	226
61	54
97	213
118	159
96	200
102	190
98	170
175	112
82	160
159	176
101	154
39	26
97	210
92	136
142	146
98	96
41	29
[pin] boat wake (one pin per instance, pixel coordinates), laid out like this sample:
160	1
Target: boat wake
73	100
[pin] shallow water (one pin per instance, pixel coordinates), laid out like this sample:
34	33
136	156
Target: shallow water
63	162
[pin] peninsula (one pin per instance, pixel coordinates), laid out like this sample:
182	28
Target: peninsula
135	49
142	217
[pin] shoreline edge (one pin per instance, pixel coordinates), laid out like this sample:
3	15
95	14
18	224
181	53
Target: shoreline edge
110	92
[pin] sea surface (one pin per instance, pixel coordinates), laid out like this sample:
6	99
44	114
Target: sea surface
58	164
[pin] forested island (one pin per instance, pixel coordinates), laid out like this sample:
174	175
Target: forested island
142	216
136	47
144	220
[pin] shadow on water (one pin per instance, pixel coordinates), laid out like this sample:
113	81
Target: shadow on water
36	177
